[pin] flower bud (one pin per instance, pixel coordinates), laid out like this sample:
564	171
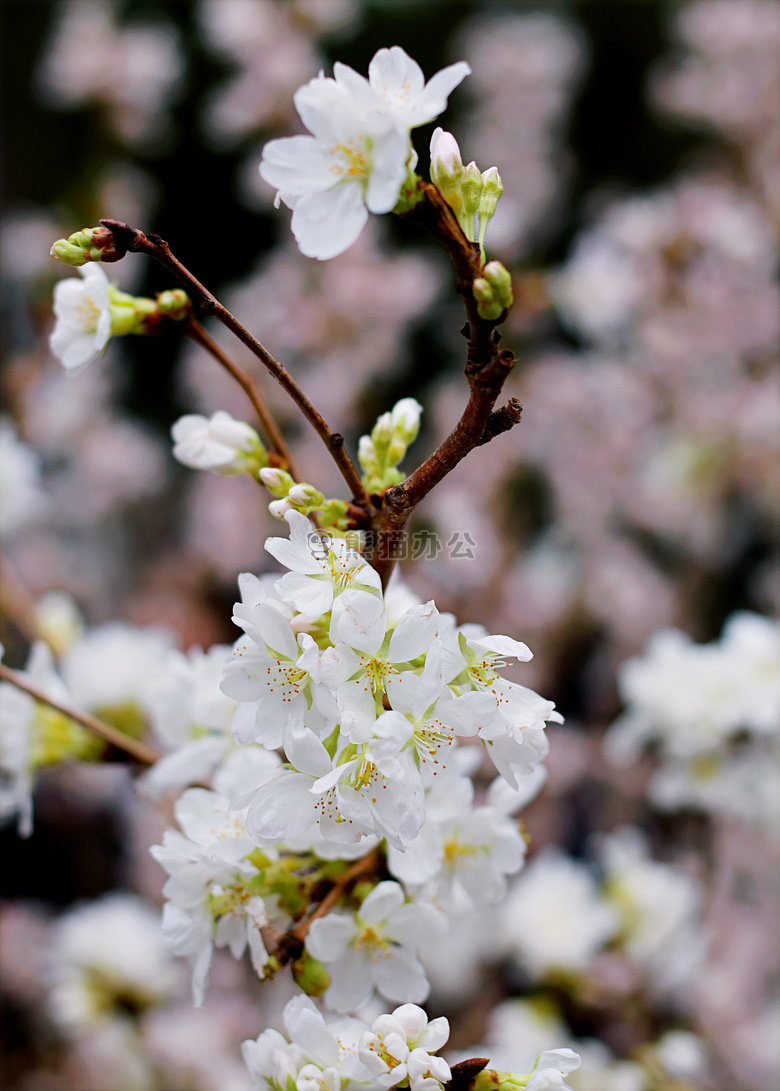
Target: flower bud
89	244
492	189
471	188
279	508
405	416
500	280
278	482
482	290
310	975
446	163
382	434
174	304
305	496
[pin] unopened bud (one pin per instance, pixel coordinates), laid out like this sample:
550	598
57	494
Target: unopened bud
405	418
482	290
174	304
382	433
446	163
500	279
279	508
492	189
310	975
276	481
471	188
89	244
305	496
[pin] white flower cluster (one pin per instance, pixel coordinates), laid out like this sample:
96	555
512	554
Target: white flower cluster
714	710
366	705
397	1050
367	695
358	155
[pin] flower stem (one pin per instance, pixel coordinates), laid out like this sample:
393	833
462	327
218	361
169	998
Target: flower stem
138	750
130	239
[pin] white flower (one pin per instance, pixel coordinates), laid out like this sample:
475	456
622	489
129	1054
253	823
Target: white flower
321	567
107	954
463	853
319	1056
402	1046
377	791
362	666
218	443
375	948
555	917
82	309
32	735
353	164
551	1067
399	83
21	500
211	900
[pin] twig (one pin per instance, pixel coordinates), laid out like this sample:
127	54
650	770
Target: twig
138	750
17	601
130	239
196	332
291	943
487	368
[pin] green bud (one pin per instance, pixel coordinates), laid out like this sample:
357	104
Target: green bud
89	244
471	189
278	482
174	304
482	290
305	496
500	279
489	1079
310	975
382	434
131	314
492	189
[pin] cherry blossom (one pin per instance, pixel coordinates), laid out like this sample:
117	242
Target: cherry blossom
82	309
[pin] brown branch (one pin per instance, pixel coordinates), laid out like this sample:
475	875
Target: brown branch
290	944
130	239
196	333
487	368
138	750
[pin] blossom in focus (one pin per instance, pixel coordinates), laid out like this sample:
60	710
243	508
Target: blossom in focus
317	1055
353	163
82	309
400	84
375	948
218	443
402	1046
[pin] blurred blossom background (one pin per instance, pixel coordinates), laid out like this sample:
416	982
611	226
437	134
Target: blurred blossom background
626	530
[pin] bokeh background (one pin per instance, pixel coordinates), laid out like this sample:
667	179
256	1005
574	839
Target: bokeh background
638	145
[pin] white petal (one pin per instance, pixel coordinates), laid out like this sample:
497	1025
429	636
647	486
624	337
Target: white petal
326	224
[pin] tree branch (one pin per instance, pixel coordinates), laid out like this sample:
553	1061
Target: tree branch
130	240
290	945
196	333
487	368
138	750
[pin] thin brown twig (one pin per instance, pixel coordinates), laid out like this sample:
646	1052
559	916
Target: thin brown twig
487	368
138	750
196	333
130	239
291	943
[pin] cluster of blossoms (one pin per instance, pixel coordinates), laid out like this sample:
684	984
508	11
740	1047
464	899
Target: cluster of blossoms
714	711
367	694
397	1050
